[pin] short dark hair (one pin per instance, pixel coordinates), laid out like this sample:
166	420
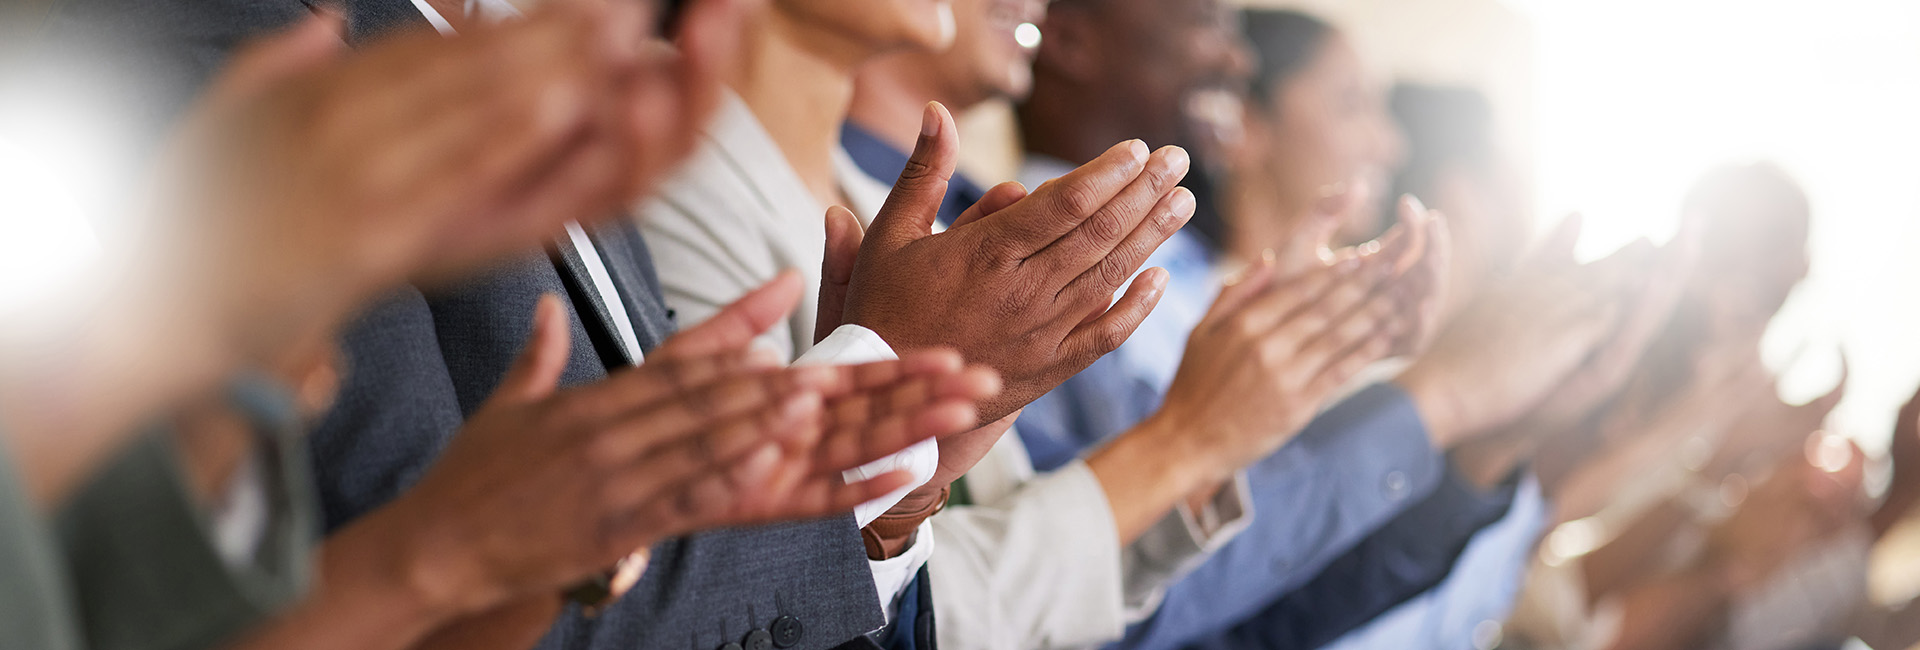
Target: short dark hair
1284	43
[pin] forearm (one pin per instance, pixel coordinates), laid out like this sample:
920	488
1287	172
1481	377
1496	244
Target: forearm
372	594
1149	470
514	626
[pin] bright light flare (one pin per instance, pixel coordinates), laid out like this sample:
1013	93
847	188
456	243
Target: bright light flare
1027	35
46	239
1635	98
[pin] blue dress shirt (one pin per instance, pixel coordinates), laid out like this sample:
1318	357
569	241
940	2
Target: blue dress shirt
1409	556
880	160
1353	469
1466	610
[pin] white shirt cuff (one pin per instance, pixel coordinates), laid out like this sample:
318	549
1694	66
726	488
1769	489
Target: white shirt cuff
853	344
891	576
1180	542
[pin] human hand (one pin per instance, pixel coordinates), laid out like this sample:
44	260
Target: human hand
1270	352
1511	345
1766	428
1649	283
419	157
544	487
1026	289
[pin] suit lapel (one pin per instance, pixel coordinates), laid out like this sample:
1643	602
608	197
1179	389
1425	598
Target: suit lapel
368	19
631	266
590	305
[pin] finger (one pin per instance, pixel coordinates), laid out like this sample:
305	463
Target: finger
864	438
739	323
1096	337
690	407
1094	239
996	198
1241	288
1061	205
709	43
1337	370
795	423
536	373
1346	282
1096	285
1343	336
836	269
309	45
914	204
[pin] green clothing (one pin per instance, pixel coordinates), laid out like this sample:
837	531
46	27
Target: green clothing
141	555
36	611
130	563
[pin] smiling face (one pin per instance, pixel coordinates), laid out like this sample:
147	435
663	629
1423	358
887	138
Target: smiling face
1143	62
988	59
871	27
1330	129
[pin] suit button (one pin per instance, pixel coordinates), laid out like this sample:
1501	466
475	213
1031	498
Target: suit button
787	632
730	646
757	640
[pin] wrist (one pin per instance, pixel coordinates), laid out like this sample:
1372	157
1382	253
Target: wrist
890	534
413	563
1439	408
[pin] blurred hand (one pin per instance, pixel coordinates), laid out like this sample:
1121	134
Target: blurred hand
1024	285
1790	513
1270	352
1511	345
1764	429
311	178
544	487
1649	283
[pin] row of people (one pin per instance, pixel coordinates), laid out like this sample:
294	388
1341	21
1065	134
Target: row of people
557	320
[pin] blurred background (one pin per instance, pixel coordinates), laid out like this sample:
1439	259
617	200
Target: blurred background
1612	108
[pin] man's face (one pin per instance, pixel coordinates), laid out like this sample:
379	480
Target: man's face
1163	55
992	54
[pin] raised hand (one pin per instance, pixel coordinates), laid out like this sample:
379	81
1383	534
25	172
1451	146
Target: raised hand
424	157
547	486
1028	289
1649	283
1270	352
1511	345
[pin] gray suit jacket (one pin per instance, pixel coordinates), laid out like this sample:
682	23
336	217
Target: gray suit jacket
420	362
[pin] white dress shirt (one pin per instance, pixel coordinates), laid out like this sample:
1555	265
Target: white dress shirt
734	217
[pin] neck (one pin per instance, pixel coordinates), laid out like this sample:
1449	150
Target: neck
799	82
1251	235
892	91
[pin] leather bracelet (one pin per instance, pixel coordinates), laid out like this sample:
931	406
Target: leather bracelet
899	528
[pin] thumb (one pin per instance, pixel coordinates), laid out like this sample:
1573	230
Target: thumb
536	373
836	269
915	202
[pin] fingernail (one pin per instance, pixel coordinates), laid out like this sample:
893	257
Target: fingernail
1267	256
1183	203
1176	161
1137	149
930	120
